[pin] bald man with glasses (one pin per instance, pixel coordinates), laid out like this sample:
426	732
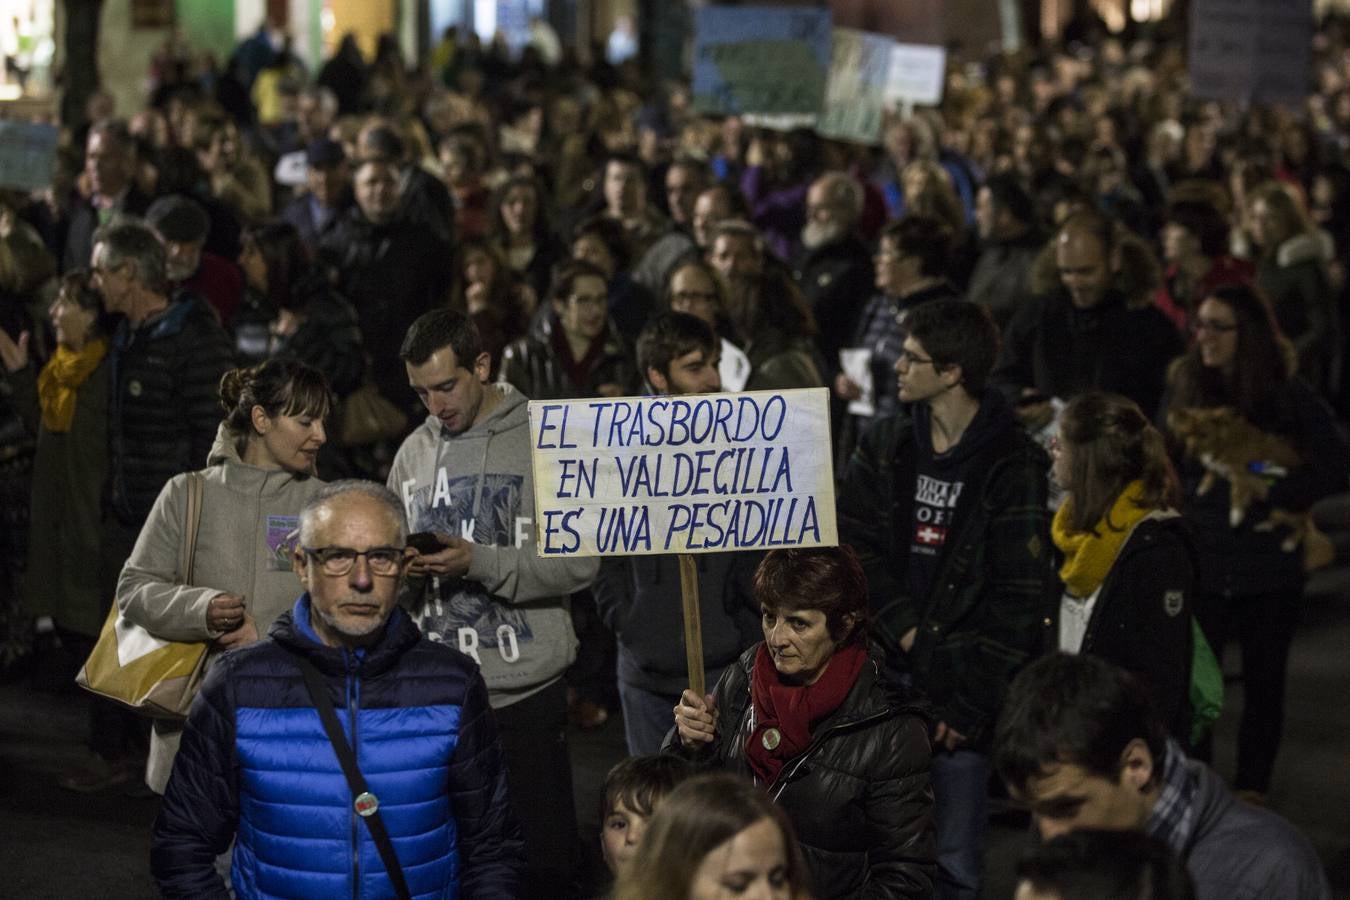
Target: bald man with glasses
259	767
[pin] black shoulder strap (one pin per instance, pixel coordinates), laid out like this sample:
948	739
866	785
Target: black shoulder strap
364	802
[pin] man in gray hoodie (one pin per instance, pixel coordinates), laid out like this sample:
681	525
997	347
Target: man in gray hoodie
465	476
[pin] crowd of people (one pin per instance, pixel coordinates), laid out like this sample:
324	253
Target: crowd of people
1083	336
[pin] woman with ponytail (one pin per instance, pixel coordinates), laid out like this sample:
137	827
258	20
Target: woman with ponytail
259	473
1127	566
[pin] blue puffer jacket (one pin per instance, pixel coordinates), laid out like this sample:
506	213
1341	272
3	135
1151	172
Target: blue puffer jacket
255	763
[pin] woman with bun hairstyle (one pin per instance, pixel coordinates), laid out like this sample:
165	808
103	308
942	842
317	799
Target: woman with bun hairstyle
259	474
1127	562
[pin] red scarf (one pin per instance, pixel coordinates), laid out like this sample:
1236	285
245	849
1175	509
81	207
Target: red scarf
785	714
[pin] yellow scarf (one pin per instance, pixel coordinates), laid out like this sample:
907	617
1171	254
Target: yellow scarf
1087	556
59	379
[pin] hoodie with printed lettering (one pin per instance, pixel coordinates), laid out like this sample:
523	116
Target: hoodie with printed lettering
510	611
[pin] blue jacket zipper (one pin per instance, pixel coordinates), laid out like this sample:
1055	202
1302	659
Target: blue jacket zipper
353	704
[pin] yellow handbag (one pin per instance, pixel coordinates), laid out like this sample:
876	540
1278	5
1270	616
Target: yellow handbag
130	665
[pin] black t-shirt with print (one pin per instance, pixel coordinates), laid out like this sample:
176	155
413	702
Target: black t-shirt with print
937	488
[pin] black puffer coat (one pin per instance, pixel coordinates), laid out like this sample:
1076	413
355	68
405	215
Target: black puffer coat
534	366
165	383
858	796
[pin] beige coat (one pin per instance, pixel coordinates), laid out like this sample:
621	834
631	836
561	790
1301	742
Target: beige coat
243	548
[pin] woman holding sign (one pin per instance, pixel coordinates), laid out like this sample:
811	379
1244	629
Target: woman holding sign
809	716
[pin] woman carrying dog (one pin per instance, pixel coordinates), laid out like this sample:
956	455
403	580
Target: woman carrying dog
1235	401
1128	570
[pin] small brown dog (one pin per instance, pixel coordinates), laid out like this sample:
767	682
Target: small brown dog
1230	447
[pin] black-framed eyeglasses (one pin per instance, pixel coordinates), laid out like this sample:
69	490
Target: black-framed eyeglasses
910	359
339	560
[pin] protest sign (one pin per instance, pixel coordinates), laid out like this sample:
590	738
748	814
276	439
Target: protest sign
763	61
917	74
1250	50
696	474
855	94
27	155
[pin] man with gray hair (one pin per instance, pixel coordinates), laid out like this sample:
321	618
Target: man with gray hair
259	766
834	269
182	225
107	187
167	359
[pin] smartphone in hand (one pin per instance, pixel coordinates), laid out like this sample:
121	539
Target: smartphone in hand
425	542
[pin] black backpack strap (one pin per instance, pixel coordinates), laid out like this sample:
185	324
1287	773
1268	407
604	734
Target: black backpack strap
365	803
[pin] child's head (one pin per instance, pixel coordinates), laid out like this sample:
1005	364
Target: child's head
633	790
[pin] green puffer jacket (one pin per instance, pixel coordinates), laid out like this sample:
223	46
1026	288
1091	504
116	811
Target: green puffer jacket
995	589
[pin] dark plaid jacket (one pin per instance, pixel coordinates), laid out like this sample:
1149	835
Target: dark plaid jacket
995	589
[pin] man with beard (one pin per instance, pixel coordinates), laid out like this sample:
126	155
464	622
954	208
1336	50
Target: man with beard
256	766
464	475
181	225
768	314
835	268
639	596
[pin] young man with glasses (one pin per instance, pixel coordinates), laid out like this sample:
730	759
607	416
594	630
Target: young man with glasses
945	503
256	766
465	476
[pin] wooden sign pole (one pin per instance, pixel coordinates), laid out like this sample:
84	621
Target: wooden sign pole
693	625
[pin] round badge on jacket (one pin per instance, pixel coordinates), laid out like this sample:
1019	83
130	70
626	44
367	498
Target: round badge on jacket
771	739
134	388
1173	601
